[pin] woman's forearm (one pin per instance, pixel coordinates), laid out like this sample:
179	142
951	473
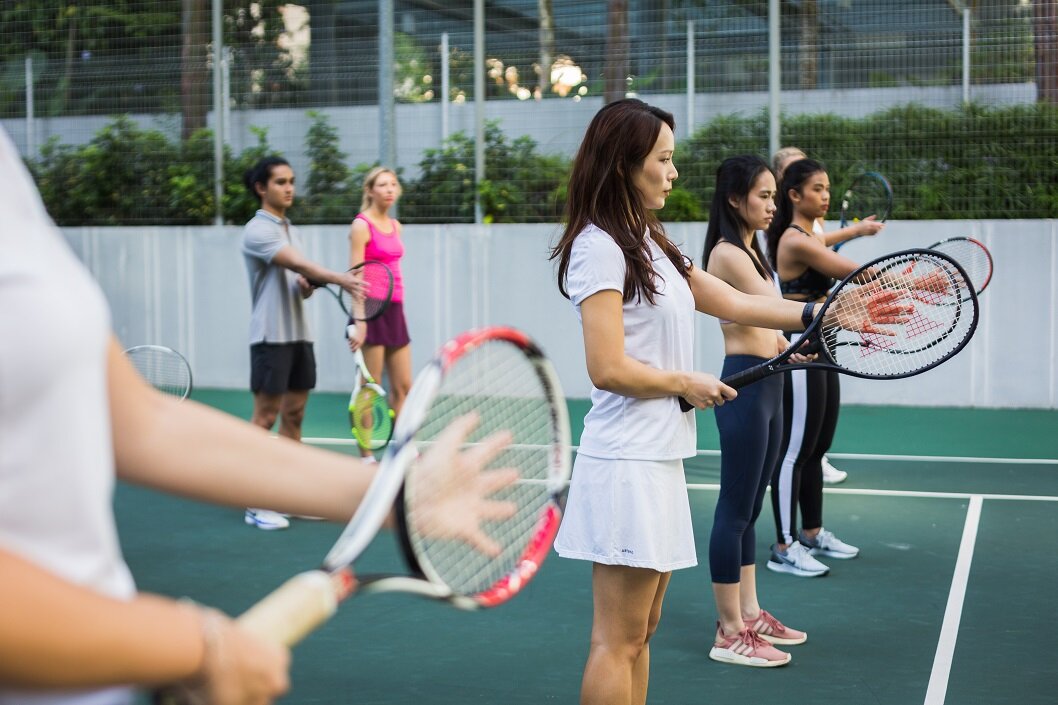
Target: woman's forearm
199	452
58	635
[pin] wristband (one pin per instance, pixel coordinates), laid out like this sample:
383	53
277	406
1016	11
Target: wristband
807	314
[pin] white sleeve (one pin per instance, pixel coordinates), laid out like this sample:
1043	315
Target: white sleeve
596	263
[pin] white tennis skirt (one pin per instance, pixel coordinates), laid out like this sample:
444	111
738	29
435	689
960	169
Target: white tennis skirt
628	512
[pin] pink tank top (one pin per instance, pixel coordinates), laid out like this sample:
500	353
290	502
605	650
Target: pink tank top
387	249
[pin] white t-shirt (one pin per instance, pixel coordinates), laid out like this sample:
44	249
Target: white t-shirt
56	458
659	335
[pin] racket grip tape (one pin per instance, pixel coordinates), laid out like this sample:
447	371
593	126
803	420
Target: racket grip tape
295	608
749	376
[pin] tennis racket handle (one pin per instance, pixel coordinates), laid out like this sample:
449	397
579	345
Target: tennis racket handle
741	379
296	608
685	405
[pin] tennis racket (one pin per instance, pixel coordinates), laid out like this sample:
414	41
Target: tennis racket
870	194
972	256
370	416
503	377
165	369
924	308
378	290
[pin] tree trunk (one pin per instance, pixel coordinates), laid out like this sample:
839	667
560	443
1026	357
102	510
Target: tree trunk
807	64
547	45
67	71
194	74
1045	39
615	65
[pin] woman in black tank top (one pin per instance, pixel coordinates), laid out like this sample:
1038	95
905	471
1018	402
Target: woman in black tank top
806	269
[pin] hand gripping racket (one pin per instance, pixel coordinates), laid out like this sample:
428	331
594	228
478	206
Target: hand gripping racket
377	280
370	416
972	256
870	194
894	317
499	374
165	369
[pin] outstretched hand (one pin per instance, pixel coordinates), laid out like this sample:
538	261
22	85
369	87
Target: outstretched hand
865	308
451	491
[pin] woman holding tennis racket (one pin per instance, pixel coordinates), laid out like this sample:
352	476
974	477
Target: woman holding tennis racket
375	235
807	268
75	630
866	227
635	294
750	426
871	225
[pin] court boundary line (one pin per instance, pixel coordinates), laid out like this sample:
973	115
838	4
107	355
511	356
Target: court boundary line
867	492
937	690
842	456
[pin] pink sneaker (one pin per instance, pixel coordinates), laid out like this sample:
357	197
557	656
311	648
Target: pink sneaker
773	630
746	648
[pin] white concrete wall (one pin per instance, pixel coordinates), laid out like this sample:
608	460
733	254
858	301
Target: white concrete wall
187	288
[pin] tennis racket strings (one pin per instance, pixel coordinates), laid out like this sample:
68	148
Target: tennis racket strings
164	368
943	318
371	417
870	194
503	386
972	256
378	289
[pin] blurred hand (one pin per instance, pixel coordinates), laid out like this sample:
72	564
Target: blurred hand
868	226
356	333
454	487
239	668
705	391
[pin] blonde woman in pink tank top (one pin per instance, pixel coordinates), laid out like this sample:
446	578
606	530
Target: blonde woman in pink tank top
374	235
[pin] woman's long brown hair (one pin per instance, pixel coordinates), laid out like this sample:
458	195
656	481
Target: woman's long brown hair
601	192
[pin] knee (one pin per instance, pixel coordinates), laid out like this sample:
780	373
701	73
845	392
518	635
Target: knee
294	416
399	391
265	415
652	625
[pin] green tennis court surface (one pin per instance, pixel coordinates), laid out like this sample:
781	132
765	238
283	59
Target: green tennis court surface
876	624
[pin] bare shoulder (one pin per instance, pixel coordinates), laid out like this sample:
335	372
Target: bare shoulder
359	231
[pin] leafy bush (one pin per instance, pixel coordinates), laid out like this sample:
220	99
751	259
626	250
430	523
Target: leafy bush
520	186
973	162
128	175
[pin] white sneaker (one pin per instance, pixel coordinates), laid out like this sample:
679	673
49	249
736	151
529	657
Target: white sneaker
266	519
831	475
795	560
827	544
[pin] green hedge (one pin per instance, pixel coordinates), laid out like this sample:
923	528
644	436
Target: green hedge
969	163
972	162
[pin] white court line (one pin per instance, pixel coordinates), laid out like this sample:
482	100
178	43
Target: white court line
905	493
949	631
842	456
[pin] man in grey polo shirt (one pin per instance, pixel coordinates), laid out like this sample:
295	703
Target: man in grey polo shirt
283	366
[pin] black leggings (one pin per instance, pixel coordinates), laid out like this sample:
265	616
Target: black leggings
811	403
750	432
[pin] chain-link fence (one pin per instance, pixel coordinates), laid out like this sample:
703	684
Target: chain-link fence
127	110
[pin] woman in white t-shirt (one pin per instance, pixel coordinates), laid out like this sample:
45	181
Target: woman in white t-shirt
635	294
73	629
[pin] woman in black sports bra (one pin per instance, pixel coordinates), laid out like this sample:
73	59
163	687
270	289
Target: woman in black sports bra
806	269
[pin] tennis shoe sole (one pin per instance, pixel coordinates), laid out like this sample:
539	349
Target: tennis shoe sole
777	567
728	656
